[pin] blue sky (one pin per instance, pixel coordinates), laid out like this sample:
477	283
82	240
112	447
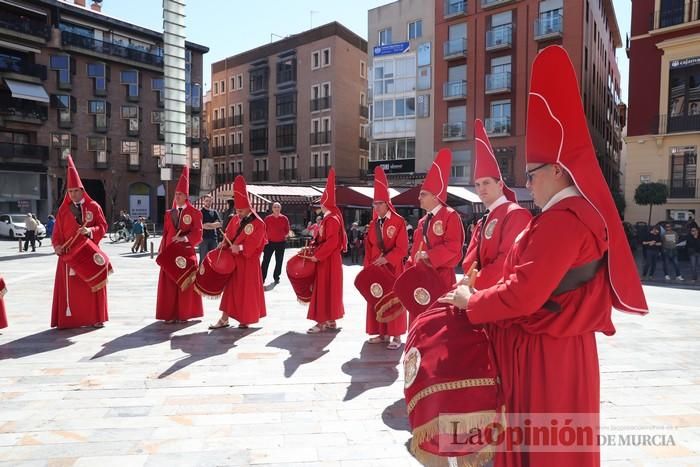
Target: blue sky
229	27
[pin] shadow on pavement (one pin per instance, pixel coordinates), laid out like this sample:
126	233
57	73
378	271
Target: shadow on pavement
395	416
153	334
25	255
302	348
202	345
44	341
375	368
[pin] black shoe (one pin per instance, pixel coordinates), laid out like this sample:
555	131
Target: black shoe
277	281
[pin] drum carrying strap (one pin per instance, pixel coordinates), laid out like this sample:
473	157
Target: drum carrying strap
242	225
378	224
573	279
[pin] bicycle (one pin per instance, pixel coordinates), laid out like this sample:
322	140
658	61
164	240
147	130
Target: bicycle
119	232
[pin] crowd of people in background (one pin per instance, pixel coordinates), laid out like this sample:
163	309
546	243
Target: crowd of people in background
663	241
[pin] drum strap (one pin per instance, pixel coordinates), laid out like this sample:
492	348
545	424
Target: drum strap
573	279
77	213
242	225
378	230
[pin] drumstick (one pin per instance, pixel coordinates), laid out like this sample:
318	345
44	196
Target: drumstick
73	238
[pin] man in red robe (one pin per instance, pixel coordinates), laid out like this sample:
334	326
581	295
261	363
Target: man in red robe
570	266
326	304
75	304
3	316
182	223
439	237
244	296
502	221
386	244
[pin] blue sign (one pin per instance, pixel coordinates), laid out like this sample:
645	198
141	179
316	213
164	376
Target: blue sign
390	49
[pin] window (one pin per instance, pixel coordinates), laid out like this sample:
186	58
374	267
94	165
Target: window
260	173
392	149
258	80
385	36
222	86
158	150
286	104
98	146
258	140
99	74
66	107
287	71
232	86
684	171
100	110
287	136
258	110
130	147
158	85
61	64
499	122
64	143
216	88
239	80
315	60
683	97
363	69
132	111
415	29
394	75
130	78
326	57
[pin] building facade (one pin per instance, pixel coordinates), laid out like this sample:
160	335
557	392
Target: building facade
663	133
287	111
78	82
480	58
401	48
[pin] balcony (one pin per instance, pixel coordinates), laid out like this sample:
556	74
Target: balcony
549	26
364	111
664	124
454	131
260	176
498	82
24	25
493	3
318	172
219	123
321	137
453	90
22	68
683	189
288	174
133	167
497	126
22	110
363	143
286	142
218	151
454	8
237	148
320	103
108	48
500	37
236	120
23	153
454	48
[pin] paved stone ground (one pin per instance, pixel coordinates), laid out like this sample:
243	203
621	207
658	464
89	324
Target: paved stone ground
139	392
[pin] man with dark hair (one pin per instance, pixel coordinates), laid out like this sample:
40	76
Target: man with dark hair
211	222
277	226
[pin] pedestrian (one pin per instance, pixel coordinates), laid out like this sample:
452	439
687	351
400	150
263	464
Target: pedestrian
75	303
139	240
277	227
502	221
326	304
3	315
562	276
355	242
49	225
651	246
228	214
144	246
211	223
39	225
439	237
30	233
669	247
386	245
244	298
692	246
182	223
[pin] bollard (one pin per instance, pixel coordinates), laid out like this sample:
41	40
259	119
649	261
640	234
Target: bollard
20	244
151	250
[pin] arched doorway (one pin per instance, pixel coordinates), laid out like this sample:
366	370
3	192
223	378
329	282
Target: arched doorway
160	203
140	200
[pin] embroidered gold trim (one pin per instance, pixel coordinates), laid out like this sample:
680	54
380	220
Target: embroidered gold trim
449	386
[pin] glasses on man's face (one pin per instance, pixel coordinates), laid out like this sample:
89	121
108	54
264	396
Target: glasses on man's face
529	173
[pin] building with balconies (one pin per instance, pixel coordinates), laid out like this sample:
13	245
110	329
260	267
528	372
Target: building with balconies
75	81
663	131
287	111
489	80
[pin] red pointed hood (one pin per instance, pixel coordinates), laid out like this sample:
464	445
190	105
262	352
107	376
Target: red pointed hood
557	133
485	164
73	181
328	196
240	194
438	177
381	188
183	185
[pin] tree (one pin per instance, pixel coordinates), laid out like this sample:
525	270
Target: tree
651	194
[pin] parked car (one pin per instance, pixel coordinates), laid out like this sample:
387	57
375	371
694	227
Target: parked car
12	226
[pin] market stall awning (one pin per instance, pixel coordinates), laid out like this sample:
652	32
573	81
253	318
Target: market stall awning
456	196
262	196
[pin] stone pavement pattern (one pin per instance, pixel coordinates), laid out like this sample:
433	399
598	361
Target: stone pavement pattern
139	392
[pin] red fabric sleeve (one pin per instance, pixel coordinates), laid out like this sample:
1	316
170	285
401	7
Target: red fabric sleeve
331	233
195	234
99	229
398	253
369	244
444	254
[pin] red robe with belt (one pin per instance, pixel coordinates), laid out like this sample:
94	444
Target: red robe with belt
74	303
395	240
444	245
497	232
548	361
173	303
327	296
244	296
3	316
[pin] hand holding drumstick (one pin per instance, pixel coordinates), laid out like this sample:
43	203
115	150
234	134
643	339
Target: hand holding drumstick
459	296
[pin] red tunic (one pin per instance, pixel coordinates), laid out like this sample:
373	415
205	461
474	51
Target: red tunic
548	361
173	303
444	246
3	316
74	304
244	296
277	228
395	250
503	224
327	297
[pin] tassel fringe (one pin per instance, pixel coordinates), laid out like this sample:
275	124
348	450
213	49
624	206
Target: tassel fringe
386	306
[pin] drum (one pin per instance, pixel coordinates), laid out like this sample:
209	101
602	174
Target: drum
301	272
88	262
373	282
215	272
179	262
450	388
